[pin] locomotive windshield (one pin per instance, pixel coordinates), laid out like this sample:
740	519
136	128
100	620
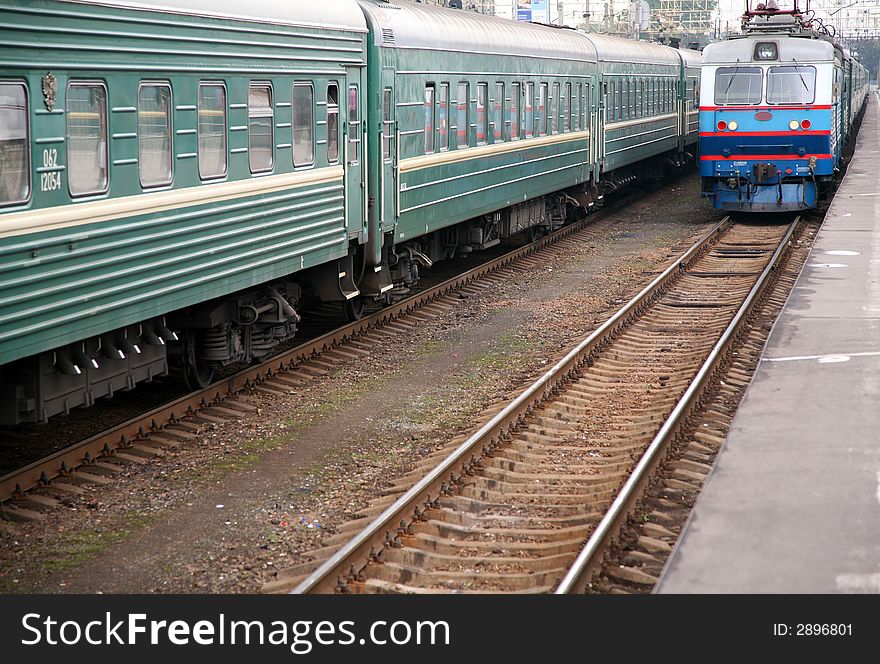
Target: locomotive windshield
738	85
791	85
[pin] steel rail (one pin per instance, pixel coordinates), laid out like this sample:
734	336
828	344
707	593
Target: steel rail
121	436
589	561
366	545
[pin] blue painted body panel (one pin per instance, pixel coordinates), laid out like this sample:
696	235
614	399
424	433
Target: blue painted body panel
728	156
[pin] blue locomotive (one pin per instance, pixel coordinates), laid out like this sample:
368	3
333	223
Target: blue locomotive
777	105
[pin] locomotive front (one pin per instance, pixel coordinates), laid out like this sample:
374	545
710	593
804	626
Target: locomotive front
768	128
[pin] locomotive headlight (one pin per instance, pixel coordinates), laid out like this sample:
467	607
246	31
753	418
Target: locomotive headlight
766	51
732	125
794	124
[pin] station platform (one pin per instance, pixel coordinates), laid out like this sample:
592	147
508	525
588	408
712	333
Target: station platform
793	504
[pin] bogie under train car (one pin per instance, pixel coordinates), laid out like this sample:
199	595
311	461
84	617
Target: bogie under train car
777	106
176	176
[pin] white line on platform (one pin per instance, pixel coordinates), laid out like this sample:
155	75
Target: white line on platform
836	357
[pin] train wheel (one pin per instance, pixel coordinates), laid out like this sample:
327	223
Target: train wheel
353	308
196	372
198	377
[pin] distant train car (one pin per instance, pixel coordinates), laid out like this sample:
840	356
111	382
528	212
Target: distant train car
176	176
777	105
481	129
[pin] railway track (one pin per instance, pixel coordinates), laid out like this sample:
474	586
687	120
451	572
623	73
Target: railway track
636	561
565	462
29	492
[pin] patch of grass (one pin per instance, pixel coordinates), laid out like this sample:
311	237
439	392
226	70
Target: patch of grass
434	348
506	352
80	547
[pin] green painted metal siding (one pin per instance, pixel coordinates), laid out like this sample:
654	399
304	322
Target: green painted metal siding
72	284
631	137
431	196
146	253
628	142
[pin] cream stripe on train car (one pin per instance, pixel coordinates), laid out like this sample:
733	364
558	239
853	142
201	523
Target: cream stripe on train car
426	161
43	219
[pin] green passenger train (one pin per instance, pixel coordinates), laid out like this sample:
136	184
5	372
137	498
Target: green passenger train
176	176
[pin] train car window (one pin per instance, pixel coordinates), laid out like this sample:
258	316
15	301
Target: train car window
585	107
261	128
554	110
154	134
212	130
482	113
87	138
498	114
332	123
387	125
637	98
566	108
631	99
620	102
443	116
530	110
791	85
354	126
515	97
609	100
15	159
303	125
461	121
738	85
542	110
430	92
577	107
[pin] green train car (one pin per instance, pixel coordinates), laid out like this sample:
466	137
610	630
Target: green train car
176	176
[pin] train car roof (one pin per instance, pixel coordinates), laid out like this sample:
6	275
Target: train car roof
690	57
418	26
337	14
618	49
790	48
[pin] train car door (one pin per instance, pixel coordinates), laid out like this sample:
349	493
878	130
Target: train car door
388	156
599	120
352	110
